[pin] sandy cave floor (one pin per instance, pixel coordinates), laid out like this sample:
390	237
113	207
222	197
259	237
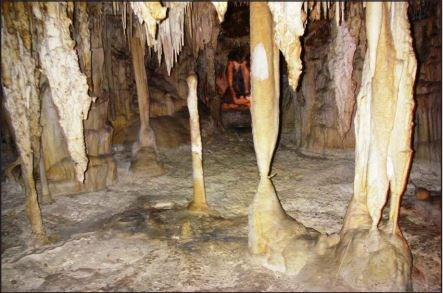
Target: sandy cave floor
137	236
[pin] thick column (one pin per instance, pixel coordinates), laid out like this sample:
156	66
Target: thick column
383	128
199	201
266	207
145	149
383	123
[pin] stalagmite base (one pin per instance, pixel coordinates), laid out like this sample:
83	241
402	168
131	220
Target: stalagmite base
198	203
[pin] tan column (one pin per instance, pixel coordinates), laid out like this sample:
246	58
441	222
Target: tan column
199	201
384	117
144	150
265	208
146	135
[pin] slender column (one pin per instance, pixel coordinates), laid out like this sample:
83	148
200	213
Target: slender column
146	134
199	201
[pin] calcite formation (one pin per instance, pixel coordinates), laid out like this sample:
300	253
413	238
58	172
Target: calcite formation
221	7
149	14
21	99
199	199
145	148
341	68
385	108
171	34
289	25
68	84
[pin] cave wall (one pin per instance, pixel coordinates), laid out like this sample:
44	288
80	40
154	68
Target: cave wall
426	29
311	116
318	116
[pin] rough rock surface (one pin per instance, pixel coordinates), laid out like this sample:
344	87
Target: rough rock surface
136	235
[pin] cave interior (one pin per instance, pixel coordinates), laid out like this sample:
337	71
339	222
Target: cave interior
221	146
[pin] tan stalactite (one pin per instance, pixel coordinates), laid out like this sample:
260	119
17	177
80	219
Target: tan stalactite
289	25
382	114
383	120
21	99
399	150
68	84
199	200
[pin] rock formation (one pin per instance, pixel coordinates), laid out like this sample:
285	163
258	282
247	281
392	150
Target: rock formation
199	200
383	132
145	148
20	87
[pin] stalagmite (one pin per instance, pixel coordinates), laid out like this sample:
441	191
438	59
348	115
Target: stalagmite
21	99
145	148
289	26
199	200
68	85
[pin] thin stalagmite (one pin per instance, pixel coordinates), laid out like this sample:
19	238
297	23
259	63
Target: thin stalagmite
199	199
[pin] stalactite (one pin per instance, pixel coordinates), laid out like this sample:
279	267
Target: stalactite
384	117
68	85
221	8
289	25
149	14
171	34
82	37
399	150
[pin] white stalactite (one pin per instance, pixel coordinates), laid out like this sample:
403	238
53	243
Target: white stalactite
68	84
149	14
171	32
221	8
289	24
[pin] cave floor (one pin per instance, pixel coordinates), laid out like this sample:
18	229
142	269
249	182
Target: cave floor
137	235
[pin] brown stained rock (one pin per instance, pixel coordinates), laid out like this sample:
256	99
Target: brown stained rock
145	162
422	193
